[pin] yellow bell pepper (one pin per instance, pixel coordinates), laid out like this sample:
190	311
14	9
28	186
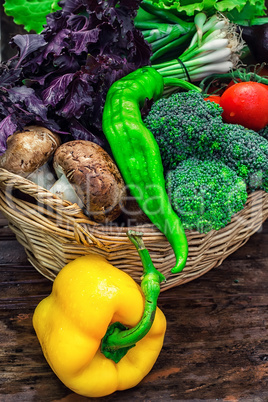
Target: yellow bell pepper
98	329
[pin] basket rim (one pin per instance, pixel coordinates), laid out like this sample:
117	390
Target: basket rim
60	231
42	194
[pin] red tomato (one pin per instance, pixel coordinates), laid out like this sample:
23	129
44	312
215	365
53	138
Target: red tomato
213	98
246	103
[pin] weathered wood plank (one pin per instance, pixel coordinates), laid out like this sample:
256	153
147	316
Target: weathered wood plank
215	346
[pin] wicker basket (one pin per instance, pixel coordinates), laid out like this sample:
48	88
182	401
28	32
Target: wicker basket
54	232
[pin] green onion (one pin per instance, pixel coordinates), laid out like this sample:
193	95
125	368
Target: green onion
215	47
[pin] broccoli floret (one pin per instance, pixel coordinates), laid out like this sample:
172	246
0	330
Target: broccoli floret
264	132
181	124
186	125
205	193
246	152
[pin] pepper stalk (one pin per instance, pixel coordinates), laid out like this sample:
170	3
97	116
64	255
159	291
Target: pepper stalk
118	338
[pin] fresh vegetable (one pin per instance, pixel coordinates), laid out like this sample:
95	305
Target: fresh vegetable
242	94
256	73
94	178
60	78
97	329
264	132
215	47
236	10
248	13
186	125
137	155
167	37
28	152
30	13
256	37
205	193
183	125
213	98
246	103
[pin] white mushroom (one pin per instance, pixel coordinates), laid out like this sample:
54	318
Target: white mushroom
94	179
28	153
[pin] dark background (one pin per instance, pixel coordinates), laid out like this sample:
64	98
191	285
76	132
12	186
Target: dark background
8	29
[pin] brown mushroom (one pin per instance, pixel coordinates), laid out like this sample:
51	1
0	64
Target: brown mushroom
94	177
28	153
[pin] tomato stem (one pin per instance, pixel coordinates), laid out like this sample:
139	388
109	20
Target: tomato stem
238	75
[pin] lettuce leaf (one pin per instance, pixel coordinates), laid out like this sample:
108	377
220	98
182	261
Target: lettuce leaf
30	13
244	15
233	9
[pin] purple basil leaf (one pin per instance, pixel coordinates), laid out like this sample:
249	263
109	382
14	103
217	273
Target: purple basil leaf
57	44
9	77
70	6
91	67
27	96
79	132
7	128
131	5
78	98
82	39
53	126
66	63
63	64
69	67
56	91
77	23
19	94
36	107
28	44
29	82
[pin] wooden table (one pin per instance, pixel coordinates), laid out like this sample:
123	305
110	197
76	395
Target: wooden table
216	345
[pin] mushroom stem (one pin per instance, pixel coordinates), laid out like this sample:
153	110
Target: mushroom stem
43	177
64	190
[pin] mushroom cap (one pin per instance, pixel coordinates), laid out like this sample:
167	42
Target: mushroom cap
94	177
29	149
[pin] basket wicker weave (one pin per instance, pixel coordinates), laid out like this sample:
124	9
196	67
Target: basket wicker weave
54	232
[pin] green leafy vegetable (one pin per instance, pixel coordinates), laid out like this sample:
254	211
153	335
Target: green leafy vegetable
246	12
30	13
235	10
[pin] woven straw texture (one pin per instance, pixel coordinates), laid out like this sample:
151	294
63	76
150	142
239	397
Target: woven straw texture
54	232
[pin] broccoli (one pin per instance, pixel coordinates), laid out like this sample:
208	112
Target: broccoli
264	132
185	125
205	193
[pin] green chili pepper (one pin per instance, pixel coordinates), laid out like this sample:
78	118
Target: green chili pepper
137	154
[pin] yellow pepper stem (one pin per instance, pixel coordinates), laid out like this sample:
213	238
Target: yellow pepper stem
118	338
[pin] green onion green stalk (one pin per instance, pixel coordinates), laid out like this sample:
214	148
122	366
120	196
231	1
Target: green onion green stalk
213	47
